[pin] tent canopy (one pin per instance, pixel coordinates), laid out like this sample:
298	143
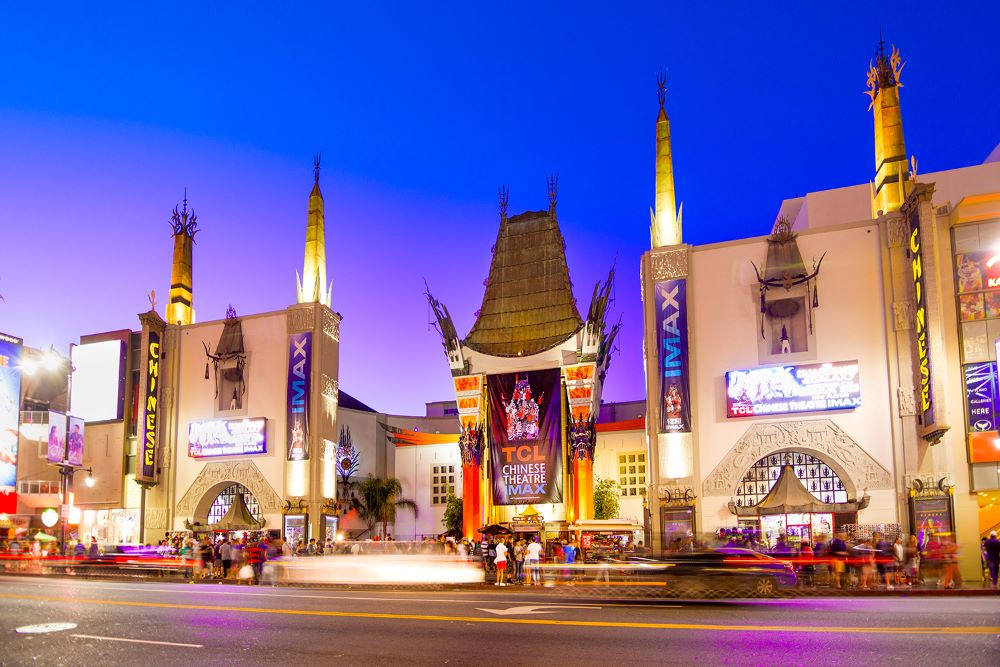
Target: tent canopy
237	518
789	496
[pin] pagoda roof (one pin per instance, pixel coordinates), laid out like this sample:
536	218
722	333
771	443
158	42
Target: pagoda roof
528	306
238	517
789	496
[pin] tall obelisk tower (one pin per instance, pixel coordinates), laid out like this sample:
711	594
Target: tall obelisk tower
312	286
665	222
180	307
891	172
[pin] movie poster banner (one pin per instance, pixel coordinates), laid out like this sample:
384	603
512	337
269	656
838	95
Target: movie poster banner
672	355
56	451
299	391
981	396
525	437
10	412
74	441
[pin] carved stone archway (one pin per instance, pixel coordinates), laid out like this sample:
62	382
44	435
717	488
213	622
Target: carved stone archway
218	475
819	437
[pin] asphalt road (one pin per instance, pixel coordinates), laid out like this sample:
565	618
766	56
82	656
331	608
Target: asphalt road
121	623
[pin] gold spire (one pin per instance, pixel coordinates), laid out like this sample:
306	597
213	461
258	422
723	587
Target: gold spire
180	306
665	222
891	172
312	286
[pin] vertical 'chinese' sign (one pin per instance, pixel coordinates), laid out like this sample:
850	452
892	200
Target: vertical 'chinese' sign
672	355
920	322
151	413
10	413
525	434
297	409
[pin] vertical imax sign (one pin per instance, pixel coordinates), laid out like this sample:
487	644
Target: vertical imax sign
151	410
672	355
297	404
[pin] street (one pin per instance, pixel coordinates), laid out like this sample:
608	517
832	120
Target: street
124	623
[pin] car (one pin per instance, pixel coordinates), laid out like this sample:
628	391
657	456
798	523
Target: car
725	571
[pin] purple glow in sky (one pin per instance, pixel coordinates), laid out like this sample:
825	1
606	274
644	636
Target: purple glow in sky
421	113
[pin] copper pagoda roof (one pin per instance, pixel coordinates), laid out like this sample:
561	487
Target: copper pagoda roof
528	306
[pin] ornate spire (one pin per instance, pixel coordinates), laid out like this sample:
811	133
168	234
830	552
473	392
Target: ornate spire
552	181
891	173
180	304
665	220
504	198
312	286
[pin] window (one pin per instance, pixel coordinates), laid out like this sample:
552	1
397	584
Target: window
818	478
225	500
632	473
442	483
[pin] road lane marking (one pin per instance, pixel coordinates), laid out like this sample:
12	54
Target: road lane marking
209	590
42	628
536	609
136	641
954	630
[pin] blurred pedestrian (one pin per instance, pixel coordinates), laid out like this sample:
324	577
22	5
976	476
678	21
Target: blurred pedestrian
532	558
885	559
837	551
226	556
991	551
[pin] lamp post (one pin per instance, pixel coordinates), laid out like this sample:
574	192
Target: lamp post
66	472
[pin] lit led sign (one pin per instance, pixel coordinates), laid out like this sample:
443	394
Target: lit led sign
793	388
227	437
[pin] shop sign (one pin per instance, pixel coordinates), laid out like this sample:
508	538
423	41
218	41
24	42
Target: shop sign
920	321
672	355
147	463
793	388
981	396
10	414
525	437
227	437
297	404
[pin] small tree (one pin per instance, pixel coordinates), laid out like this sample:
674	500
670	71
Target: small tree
606	495
452	513
378	500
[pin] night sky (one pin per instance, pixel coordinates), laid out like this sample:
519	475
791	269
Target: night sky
108	113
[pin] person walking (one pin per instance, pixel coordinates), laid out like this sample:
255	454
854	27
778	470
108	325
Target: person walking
532	557
991	551
500	560
885	558
226	556
837	550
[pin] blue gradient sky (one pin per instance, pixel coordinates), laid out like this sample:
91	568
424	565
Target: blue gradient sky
107	113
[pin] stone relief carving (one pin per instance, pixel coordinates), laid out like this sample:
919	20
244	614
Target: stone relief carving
669	264
330	386
898	231
331	325
903	314
907	402
301	319
156	518
820	437
243	472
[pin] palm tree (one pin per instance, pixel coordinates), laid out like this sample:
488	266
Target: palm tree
377	501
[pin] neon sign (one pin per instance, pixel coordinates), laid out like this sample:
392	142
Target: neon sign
147	462
227	437
788	389
920	321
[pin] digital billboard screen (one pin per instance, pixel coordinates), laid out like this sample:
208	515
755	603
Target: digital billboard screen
98	380
10	412
227	437
793	388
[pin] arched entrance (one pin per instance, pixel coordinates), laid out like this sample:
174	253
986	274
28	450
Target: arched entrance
217	476
225	500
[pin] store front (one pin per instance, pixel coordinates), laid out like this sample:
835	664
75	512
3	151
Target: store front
803	500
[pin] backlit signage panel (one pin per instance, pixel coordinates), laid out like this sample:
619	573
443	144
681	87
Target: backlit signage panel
10	414
793	388
151	413
981	396
227	437
98	380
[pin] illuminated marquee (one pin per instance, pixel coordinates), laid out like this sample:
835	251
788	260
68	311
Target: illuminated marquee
147	463
920	320
227	437
788	389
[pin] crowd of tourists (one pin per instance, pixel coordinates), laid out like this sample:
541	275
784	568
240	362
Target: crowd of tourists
871	562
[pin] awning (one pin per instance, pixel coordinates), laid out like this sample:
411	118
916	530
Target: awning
789	496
